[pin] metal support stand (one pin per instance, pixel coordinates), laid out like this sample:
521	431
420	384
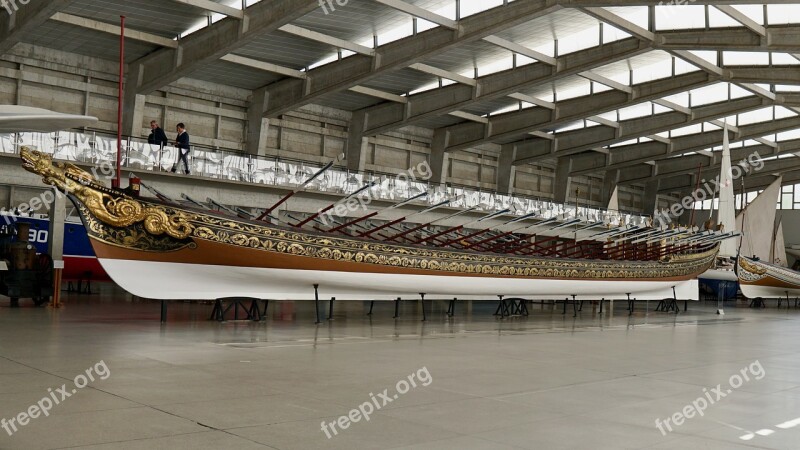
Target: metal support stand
316	302
80	287
757	302
163	311
397	308
371	305
601	305
631	304
511	307
264	313
575	308
451	309
251	312
519	307
501	307
422	299
577	305
330	308
780	301
667	305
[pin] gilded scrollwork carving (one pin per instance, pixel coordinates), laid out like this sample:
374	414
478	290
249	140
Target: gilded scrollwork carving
111	208
751	268
133	237
319	246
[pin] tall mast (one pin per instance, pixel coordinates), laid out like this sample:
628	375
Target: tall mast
727	206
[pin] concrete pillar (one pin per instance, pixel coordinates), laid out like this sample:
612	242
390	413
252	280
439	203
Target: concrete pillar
356	150
609	184
58	214
18	98
440	161
133	115
87	99
133	105
650	200
257	124
506	170
55	245
561	183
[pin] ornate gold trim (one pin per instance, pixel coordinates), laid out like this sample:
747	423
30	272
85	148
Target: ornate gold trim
333	248
110	207
751	267
116	219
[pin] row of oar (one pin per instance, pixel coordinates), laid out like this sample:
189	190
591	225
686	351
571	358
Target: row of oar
520	238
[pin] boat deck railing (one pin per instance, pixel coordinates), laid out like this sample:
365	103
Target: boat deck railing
95	148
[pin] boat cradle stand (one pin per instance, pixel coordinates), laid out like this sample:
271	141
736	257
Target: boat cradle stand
451	309
669	304
577	305
316	306
780	301
757	302
507	307
83	285
251	312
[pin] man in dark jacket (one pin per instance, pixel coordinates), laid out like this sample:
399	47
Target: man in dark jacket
182	143
158	136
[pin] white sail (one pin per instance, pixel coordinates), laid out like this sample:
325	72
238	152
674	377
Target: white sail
613	204
779	248
727	207
757	223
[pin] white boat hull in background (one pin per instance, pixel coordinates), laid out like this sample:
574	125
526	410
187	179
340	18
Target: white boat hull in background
719	275
178	281
753	291
761	279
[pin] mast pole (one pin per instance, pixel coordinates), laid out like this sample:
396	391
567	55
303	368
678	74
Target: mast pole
697	188
116	181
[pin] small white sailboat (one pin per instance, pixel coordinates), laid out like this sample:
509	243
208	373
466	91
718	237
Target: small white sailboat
761	265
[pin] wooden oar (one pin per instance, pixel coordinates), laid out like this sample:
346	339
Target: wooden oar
301	188
333	205
376	213
391	224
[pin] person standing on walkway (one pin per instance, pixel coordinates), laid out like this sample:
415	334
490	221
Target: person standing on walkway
182	143
158	136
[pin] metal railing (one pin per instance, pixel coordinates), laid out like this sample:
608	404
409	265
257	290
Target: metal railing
94	148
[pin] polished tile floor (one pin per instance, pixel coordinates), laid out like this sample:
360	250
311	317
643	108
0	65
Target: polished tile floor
548	381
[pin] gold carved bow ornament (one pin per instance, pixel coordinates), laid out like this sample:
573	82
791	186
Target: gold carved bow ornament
110	207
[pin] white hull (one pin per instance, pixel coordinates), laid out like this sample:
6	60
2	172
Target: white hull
753	291
176	281
719	275
761	279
